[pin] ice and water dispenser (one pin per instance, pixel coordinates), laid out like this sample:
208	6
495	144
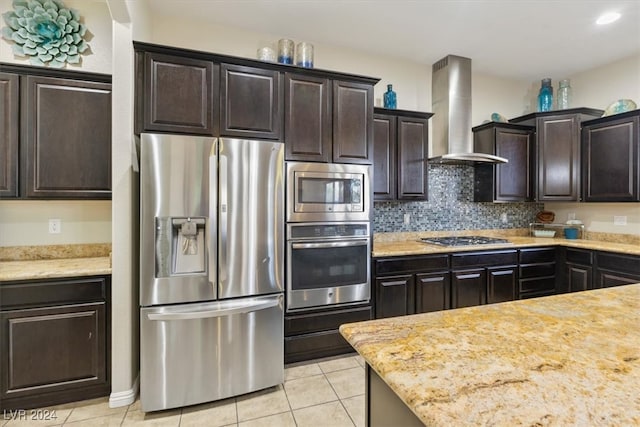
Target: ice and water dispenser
180	246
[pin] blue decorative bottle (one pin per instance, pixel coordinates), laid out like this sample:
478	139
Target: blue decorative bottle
545	97
390	98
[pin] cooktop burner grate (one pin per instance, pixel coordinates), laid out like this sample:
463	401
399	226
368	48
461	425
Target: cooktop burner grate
463	240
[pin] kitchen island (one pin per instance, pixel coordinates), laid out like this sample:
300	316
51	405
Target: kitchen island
571	359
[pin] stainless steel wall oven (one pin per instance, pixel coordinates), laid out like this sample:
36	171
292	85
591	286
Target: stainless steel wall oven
327	264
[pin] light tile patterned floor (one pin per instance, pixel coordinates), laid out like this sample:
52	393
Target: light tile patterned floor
327	392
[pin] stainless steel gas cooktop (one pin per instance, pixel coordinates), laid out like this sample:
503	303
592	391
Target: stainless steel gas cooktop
463	240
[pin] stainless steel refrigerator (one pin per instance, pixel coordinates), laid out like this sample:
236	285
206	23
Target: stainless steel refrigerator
211	268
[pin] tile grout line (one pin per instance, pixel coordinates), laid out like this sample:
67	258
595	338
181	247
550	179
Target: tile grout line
289	402
339	399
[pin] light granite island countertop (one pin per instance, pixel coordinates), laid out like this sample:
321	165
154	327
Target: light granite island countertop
563	360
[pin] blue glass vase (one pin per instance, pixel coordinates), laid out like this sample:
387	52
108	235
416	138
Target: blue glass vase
545	97
390	98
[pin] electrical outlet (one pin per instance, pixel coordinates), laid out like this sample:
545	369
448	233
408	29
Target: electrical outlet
55	226
571	216
504	218
620	220
407	219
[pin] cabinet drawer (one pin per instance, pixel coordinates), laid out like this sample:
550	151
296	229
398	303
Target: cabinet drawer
484	259
323	321
579	256
537	270
622	263
545	284
408	264
607	279
534	256
49	293
314	346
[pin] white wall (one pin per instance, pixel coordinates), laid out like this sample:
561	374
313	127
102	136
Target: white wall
599	216
129	19
26	223
95	16
599	87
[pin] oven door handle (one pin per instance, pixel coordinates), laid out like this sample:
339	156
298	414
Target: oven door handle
362	242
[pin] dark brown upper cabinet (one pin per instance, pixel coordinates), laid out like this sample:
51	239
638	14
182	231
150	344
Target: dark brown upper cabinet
558	152
307	118
505	182
55	133
401	150
322	116
250	102
611	158
65	138
384	157
352	122
328	120
9	124
176	94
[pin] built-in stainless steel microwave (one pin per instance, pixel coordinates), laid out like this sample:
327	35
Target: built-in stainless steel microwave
328	192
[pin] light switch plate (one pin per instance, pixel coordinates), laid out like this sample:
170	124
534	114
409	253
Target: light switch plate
55	226
620	220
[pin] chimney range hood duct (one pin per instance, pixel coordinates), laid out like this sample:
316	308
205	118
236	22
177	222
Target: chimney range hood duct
451	95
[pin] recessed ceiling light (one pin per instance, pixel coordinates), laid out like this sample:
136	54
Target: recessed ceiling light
608	18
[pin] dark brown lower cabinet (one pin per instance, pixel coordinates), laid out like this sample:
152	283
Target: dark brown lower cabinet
483	277
55	341
579	269
579	277
483	286
468	288
311	335
395	296
537	272
616	269
433	292
412	284
501	284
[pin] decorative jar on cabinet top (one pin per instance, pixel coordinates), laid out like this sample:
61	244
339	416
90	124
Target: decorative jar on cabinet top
545	96
285	51
390	100
304	55
564	94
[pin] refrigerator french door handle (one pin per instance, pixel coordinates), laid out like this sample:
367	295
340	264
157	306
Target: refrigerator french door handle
362	242
206	314
224	207
213	219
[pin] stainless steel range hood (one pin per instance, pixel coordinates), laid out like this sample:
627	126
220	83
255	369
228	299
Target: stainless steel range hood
451	95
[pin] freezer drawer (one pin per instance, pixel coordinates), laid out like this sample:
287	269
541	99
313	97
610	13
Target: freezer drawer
194	353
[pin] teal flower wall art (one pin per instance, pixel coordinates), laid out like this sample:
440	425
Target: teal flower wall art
46	32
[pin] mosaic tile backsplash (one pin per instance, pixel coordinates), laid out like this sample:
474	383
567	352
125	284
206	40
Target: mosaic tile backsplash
451	207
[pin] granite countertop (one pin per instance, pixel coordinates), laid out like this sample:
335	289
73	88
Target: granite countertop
54	261
415	247
54	268
570	359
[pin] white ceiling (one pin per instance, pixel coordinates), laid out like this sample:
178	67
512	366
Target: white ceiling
521	39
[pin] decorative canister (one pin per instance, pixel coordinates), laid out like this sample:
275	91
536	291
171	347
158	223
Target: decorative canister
304	55
390	100
545	96
266	54
564	94
285	51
